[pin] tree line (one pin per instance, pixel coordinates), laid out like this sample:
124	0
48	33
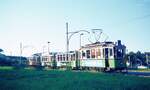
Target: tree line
137	58
9	60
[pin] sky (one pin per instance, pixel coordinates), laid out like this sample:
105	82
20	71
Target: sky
35	22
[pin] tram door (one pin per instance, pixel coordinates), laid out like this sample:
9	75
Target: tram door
106	57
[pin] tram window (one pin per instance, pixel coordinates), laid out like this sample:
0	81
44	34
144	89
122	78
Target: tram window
93	53
88	53
115	52
60	57
83	54
110	50
119	53
73	57
66	57
63	58
103	53
99	52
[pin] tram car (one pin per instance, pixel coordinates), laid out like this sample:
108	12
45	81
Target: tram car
99	56
34	60
103	56
48	60
64	60
42	59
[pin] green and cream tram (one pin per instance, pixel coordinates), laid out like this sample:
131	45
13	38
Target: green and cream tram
103	56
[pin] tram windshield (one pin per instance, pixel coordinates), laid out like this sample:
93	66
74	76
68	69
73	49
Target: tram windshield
119	53
88	53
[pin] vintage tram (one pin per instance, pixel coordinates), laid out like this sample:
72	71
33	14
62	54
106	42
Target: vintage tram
101	56
64	60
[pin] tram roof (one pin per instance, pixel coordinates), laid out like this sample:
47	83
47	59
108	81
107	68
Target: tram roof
70	52
101	44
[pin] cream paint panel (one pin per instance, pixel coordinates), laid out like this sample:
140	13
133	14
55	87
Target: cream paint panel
92	63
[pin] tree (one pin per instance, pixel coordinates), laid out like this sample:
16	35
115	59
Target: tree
1	50
137	58
141	57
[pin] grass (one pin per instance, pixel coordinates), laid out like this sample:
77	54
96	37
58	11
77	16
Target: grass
6	68
26	79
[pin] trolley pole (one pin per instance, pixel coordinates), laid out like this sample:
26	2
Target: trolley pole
48	46
48	51
67	42
20	53
67	46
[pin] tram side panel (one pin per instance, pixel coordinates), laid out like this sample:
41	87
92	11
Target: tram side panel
91	58
92	63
